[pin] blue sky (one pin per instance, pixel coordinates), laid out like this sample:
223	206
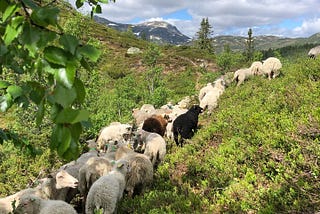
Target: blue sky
286	18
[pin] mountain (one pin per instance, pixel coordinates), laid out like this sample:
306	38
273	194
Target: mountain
165	33
237	43
156	31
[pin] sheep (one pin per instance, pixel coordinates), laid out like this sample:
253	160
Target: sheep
210	101
115	132
154	146
271	67
31	204
147	107
156	124
108	190
73	168
205	90
314	52
256	67
93	169
141	170
185	125
241	75
48	189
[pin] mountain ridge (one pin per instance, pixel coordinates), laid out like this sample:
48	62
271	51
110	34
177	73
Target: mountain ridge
164	33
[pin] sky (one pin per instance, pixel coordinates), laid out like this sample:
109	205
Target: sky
285	18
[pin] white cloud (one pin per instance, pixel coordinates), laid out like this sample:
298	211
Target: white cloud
228	16
308	27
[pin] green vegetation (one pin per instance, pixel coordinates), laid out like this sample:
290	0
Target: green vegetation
258	152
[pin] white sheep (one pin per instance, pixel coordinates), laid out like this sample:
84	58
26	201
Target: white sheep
314	52
141	170
107	191
48	189
204	90
241	75
256	67
271	67
210	100
154	146
31	204
114	132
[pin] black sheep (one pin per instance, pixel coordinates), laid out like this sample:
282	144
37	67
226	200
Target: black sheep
186	124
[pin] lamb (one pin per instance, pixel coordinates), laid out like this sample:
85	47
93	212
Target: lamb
141	170
31	204
156	124
108	190
271	67
185	125
314	52
154	146
48	189
114	132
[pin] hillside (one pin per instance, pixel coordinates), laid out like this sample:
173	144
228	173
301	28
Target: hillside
258	152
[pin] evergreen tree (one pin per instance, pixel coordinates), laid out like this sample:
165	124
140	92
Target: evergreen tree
250	47
203	36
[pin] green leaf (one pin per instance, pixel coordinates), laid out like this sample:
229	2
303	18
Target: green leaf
72	116
73	151
3	6
69	43
66	76
46	37
64	141
13	30
76	130
56	55
80	89
98	9
5	102
4	84
63	96
37	92
85	64
15	91
3	50
40	113
104	1
30	4
90	52
12	9
45	16
30	36
79	3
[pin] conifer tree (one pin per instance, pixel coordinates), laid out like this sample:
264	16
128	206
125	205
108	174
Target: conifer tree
250	46
203	36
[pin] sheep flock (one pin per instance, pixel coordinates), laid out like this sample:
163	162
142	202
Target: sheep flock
121	161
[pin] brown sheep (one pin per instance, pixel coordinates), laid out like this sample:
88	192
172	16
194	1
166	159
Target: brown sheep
156	124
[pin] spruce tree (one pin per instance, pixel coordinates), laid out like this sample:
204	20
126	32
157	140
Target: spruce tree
203	36
250	46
